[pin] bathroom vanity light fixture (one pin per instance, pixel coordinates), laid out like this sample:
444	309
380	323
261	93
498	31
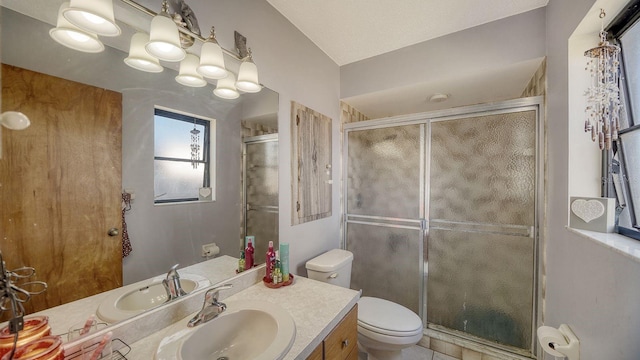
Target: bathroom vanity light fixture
248	76
188	76
603	95
211	58
170	35
73	37
139	58
94	16
226	88
164	37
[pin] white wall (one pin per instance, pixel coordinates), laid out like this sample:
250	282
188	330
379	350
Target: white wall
168	234
484	48
295	68
590	287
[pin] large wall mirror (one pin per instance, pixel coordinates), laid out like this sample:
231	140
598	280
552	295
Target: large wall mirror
92	137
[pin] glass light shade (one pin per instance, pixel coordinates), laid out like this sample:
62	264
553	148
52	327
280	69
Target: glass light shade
188	76
248	77
72	37
212	61
139	58
164	40
95	16
14	120
226	88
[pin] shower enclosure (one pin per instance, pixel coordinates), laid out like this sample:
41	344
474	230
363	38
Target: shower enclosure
260	190
441	214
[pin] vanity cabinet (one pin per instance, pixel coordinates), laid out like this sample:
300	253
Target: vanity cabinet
341	343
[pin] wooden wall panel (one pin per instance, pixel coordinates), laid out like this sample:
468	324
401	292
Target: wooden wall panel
310	164
61	185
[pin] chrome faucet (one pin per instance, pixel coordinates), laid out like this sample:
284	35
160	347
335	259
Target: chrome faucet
211	307
172	284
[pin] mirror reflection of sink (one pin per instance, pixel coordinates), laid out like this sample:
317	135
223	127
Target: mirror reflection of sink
256	330
132	300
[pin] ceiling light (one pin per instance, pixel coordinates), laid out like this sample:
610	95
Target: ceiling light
139	58
95	16
164	39
188	76
248	76
211	59
436	98
72	37
226	88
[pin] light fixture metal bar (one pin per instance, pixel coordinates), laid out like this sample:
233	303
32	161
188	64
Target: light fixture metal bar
151	13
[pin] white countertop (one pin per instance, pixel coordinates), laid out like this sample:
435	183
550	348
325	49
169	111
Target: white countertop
316	308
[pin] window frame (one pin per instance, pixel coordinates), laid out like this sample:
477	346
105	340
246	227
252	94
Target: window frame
208	151
625	20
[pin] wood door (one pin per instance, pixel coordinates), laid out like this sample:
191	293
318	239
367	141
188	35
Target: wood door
61	184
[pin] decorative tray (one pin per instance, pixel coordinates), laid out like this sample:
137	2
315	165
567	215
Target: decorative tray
270	284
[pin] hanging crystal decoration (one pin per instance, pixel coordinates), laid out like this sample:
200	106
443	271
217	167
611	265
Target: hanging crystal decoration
195	146
603	94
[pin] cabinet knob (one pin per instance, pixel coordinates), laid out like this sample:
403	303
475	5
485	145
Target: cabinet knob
345	343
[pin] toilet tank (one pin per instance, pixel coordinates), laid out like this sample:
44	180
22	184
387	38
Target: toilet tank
333	267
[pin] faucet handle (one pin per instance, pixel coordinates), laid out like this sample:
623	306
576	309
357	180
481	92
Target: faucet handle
173	272
211	296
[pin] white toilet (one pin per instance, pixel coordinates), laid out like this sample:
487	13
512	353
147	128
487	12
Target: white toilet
384	327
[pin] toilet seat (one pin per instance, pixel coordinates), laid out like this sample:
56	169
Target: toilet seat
386	318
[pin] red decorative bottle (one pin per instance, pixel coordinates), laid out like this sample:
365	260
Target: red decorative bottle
270	261
248	253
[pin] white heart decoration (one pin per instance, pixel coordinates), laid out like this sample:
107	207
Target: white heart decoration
205	192
587	210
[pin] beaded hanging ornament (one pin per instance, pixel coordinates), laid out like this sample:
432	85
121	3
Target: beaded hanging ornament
603	94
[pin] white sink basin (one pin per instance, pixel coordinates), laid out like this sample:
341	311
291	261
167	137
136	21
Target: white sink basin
247	330
134	299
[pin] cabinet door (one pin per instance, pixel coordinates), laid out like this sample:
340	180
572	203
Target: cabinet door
317	354
341	343
310	164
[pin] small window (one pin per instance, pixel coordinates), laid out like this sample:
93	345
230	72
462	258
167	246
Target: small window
182	156
623	161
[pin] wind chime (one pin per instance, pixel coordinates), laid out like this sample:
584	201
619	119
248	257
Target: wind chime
195	146
603	94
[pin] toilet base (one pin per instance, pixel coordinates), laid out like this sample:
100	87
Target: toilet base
375	354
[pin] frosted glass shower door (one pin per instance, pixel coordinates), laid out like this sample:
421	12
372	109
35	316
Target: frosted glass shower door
481	242
261	190
384	211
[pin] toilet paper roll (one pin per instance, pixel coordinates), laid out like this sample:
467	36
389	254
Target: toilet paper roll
548	337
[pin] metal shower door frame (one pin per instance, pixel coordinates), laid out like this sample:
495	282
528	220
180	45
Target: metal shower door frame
509	106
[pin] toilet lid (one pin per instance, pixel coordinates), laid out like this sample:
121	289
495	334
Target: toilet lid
384	316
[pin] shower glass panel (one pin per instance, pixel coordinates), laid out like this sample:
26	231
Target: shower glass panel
384	172
386	263
481	241
261	190
384	211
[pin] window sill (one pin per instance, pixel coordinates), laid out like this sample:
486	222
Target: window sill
619	243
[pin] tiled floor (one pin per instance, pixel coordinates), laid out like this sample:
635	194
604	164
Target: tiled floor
417	353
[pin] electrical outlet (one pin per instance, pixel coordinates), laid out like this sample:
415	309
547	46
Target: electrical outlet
209	250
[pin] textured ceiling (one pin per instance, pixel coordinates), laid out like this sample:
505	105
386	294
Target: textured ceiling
352	30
